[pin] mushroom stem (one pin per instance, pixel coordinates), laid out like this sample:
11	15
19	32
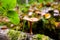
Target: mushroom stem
30	28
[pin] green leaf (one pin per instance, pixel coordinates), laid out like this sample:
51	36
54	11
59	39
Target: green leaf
8	4
32	1
48	0
41	1
13	16
21	2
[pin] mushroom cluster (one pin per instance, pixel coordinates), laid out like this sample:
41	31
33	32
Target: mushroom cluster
48	12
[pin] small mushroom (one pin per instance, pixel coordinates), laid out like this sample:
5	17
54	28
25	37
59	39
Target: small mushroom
12	25
47	15
56	11
57	24
37	11
55	14
30	13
